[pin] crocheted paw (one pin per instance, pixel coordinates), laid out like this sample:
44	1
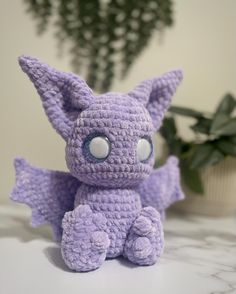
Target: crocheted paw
145	241
84	241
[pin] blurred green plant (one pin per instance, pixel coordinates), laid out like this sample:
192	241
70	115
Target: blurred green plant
214	139
102	34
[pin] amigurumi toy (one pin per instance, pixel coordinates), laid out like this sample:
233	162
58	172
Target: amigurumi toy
112	202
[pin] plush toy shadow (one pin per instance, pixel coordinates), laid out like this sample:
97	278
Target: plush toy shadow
112	201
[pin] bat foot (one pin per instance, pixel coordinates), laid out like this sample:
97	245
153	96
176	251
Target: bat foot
84	241
145	241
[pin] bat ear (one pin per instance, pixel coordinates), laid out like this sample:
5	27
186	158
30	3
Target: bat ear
156	94
63	95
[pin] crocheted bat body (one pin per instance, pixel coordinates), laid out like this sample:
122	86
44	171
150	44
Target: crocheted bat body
111	201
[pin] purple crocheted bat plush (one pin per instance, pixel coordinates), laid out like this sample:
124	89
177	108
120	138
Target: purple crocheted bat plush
112	201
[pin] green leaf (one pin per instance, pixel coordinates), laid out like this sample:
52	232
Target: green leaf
202	152
226	146
186	148
228	128
219	120
205	155
175	147
222	123
227	105
168	129
169	133
191	177
233	139
186	111
202	126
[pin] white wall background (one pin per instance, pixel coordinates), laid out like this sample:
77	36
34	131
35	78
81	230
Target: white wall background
202	42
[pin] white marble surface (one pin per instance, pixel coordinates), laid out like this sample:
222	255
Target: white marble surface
199	258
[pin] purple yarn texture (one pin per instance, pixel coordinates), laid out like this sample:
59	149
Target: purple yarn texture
106	205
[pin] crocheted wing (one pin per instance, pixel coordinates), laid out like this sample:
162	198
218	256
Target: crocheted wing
50	194
162	187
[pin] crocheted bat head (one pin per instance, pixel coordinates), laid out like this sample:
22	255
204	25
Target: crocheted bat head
109	136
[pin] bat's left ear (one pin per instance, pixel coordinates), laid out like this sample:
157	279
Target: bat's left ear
156	94
63	95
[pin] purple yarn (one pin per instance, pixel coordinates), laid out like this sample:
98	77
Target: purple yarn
106	206
50	194
162	187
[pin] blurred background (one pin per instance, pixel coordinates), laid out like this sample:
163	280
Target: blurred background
195	35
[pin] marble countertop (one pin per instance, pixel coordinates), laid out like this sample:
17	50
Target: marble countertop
199	258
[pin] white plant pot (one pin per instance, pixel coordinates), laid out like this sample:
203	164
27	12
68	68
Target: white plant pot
219	197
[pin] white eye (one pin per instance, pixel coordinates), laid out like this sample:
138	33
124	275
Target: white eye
144	149
99	147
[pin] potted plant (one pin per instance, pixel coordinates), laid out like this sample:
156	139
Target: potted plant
104	38
208	162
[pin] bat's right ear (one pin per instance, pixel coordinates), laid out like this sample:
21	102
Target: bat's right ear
63	95
156	94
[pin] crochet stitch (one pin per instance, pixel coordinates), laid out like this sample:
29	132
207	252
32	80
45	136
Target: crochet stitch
111	201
